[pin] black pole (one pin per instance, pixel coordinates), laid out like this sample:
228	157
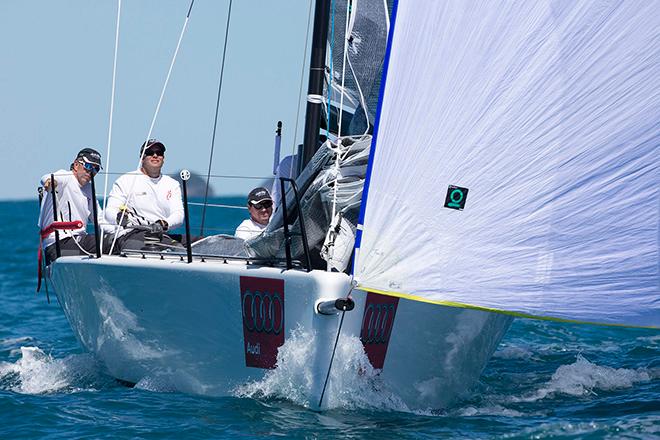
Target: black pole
303	231
287	236
58	252
278	147
185	175
95	213
316	79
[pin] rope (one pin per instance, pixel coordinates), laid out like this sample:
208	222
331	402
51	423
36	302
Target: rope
89	254
315	99
112	107
153	121
215	120
318	99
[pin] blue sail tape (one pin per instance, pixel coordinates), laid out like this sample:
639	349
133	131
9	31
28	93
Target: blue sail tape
372	151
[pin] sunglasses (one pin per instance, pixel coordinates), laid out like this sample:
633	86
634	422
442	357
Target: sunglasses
262	205
154	152
94	169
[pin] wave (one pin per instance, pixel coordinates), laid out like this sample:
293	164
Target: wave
353	381
583	378
36	372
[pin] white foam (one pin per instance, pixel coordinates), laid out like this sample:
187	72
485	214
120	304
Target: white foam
494	410
157	384
36	372
11	342
513	352
353	381
170	381
585	378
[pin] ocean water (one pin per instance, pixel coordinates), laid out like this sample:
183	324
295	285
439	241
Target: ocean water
546	380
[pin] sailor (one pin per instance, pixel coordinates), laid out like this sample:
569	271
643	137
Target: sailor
148	199
260	206
73	193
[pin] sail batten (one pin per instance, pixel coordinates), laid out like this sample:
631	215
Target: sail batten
547	112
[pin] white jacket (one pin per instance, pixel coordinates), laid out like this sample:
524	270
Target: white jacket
248	229
147	200
73	203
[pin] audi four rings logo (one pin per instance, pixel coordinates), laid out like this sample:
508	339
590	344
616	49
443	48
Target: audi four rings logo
377	329
262	312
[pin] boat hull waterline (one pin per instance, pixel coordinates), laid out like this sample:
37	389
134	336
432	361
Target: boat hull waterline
216	327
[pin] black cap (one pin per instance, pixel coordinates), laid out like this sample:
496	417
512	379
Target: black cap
90	155
258	195
151	143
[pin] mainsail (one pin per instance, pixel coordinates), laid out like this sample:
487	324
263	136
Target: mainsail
547	113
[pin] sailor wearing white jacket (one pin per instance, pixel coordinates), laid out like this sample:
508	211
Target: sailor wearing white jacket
260	207
74	203
148	198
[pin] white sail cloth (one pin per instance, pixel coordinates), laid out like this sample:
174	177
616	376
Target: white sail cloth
548	112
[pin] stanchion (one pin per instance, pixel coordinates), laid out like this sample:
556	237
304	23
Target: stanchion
58	252
95	213
185	175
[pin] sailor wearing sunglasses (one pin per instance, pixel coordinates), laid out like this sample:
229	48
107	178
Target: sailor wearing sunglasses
260	206
74	202
147	198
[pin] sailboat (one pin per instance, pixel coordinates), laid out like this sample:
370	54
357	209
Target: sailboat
513	171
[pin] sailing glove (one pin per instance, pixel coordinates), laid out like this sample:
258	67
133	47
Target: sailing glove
158	227
122	218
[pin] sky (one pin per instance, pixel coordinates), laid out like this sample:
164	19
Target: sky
56	59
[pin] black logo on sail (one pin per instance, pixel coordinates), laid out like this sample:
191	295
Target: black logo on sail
456	197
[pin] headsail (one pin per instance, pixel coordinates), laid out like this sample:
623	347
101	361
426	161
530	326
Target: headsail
547	112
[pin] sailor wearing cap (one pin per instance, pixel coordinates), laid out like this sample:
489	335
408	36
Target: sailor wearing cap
146	197
260	206
74	203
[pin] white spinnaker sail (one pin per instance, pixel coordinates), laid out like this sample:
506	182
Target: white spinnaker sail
549	113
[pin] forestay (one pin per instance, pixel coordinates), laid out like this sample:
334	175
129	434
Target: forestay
547	112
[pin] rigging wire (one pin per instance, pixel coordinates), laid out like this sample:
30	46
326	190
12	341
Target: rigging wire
112	107
215	205
349	13
174	175
332	52
153	121
215	120
300	89
339	156
362	100
334	349
332	358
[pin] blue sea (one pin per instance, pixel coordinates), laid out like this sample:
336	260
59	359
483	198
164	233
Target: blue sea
546	380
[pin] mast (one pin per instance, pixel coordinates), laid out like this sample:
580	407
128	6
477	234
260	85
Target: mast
316	78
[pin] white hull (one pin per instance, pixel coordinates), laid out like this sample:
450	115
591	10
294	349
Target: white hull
150	317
